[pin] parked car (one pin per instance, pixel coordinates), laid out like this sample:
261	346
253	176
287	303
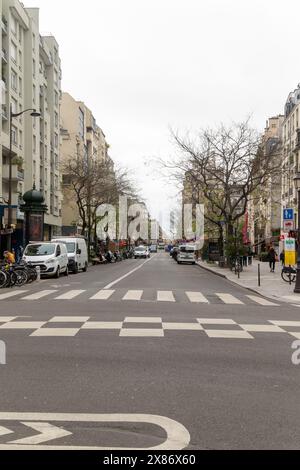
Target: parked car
141	252
153	249
51	257
186	254
77	252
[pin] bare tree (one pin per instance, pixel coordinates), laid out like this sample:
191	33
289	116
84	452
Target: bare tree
223	168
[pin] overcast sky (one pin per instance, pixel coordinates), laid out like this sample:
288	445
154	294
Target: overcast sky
145	65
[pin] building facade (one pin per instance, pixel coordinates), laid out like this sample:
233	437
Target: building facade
80	137
264	207
31	77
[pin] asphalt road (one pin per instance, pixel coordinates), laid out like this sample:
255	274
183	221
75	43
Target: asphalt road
169	356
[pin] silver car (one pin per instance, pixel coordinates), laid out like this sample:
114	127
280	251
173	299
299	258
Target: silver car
141	252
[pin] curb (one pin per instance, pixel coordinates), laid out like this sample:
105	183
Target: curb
250	289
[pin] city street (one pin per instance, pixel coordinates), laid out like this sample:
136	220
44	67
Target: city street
147	354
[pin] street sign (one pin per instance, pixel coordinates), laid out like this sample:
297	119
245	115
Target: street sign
288	214
288	225
289	244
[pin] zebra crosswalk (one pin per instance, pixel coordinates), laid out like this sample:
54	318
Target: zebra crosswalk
142	295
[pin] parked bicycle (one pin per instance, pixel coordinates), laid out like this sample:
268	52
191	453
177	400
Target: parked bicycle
288	274
16	275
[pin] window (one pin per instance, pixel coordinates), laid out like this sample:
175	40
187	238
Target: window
14	26
56	98
33	68
34	144
20	60
20	86
14	80
56	140
33	93
56	119
14	106
21	139
14	132
33	41
81	123
13	52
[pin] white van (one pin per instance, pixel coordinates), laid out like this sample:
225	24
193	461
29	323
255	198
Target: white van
51	257
186	254
77	252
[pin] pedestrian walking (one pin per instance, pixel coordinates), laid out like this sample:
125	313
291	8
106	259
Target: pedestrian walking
272	259
282	258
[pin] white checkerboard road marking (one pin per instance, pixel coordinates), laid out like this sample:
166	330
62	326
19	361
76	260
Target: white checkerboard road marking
98	325
263	328
132	332
39	295
262	301
216	321
103	295
197	297
22	325
229	299
133	295
236	334
182	326
165	296
8	295
285	323
70	295
53	332
143	320
69	319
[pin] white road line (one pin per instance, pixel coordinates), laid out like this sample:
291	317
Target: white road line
228	334
177	436
296	334
53	332
133	295
7	319
285	323
216	321
263	328
18	325
8	295
70	295
165	296
103	295
128	274
261	301
98	325
39	295
143	320
47	432
182	326
132	332
69	319
197	297
4	431
229	299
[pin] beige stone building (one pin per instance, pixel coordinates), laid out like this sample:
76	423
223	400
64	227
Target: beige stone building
80	135
31	76
264	207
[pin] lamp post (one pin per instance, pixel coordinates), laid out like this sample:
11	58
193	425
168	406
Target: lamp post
297	186
12	115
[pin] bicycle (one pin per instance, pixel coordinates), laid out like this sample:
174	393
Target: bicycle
288	274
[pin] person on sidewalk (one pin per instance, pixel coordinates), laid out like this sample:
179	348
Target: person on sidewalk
272	259
282	258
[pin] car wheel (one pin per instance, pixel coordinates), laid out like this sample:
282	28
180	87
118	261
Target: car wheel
75	271
85	268
57	274
66	273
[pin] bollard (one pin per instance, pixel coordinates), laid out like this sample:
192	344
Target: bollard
258	268
38	271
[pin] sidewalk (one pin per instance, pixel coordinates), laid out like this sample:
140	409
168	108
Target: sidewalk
272	286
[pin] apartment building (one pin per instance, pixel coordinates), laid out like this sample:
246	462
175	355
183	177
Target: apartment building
264	207
80	136
31	75
291	151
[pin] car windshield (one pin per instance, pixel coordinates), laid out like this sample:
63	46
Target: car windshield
187	249
140	248
40	250
70	246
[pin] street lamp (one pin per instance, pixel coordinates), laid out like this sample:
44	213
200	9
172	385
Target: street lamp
297	186
34	113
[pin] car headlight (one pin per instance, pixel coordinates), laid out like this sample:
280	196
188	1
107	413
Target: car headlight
50	261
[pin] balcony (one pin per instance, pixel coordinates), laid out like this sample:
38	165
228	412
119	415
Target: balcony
4	25
4	113
4	56
17	174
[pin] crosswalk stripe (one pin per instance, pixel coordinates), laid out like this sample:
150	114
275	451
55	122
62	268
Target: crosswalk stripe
165	296
103	295
133	295
12	294
197	297
70	295
262	301
229	299
39	295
